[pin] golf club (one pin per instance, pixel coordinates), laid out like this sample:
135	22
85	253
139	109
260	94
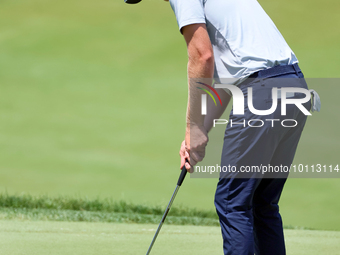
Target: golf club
179	183
132	1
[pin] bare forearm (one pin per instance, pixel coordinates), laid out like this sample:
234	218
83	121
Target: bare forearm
198	71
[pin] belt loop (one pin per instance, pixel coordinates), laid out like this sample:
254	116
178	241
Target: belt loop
296	68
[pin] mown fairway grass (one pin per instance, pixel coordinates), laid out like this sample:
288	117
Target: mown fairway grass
70	238
93	94
63	225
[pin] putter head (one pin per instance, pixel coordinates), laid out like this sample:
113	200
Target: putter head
132	1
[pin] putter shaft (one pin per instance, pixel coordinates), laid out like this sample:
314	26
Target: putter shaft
179	183
163	219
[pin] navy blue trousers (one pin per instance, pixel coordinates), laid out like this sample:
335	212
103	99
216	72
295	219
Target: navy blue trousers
247	206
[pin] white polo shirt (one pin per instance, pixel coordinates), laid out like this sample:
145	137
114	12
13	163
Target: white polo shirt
244	39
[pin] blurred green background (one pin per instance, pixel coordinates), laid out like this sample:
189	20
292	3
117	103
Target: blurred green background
93	97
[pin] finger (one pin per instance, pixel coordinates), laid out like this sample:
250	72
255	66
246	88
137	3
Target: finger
182	150
188	167
182	154
187	155
187	161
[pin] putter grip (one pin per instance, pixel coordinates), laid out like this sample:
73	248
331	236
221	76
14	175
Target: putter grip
182	176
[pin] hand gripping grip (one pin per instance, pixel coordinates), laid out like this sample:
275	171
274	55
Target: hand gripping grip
182	175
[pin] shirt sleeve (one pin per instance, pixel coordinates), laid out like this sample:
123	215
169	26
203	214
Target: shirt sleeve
188	12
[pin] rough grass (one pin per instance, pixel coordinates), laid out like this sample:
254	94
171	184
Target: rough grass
27	207
93	205
97	210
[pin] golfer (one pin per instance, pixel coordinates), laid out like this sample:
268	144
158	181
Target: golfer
235	42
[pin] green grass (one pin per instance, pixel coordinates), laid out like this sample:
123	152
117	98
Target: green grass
40	238
93	205
96	210
111	217
93	95
27	207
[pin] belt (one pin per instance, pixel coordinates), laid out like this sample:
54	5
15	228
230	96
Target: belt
276	70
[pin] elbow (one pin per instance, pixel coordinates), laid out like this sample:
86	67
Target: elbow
206	58
206	62
201	63
201	55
